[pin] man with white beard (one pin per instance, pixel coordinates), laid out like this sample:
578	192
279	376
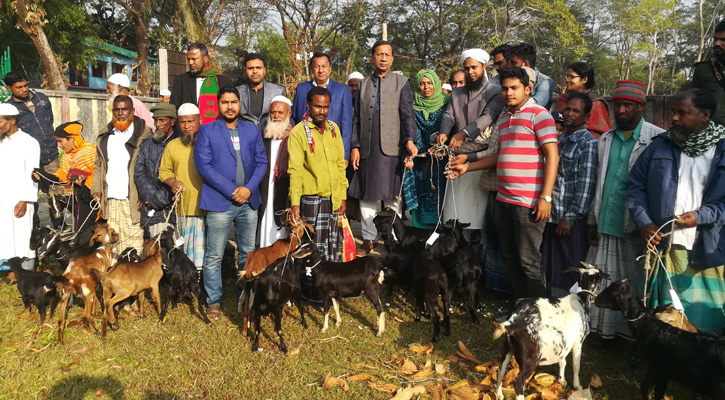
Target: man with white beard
19	155
275	184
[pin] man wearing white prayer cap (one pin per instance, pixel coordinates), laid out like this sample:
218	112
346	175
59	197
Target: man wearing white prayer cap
352	81
447	88
275	184
165	96
466	126
19	156
178	171
120	84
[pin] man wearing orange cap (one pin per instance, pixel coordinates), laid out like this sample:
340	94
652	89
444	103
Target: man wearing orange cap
75	172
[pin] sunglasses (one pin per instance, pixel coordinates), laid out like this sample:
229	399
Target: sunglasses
572	76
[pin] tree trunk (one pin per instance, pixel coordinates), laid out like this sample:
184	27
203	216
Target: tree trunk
142	46
32	24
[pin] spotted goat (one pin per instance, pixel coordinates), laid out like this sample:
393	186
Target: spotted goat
543	331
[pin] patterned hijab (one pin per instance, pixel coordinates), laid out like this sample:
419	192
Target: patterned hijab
428	105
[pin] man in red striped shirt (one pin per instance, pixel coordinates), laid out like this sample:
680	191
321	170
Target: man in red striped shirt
526	166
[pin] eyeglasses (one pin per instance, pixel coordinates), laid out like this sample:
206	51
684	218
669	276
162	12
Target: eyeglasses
572	76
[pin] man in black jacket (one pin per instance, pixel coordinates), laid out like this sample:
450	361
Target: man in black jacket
188	86
156	197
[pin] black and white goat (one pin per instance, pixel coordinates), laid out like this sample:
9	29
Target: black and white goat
37	288
430	280
694	359
400	258
543	331
405	235
276	285
339	280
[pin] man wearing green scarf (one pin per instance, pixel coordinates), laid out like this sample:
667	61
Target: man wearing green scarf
678	183
200	85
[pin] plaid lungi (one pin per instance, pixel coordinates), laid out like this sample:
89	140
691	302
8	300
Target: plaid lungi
192	230
317	211
701	291
129	234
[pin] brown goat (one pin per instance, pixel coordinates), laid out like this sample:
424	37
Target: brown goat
81	282
258	260
667	313
130	279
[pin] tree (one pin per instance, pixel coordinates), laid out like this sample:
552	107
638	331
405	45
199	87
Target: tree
136	13
31	19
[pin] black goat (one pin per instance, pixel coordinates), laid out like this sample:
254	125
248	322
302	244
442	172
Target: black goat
36	288
430	280
694	359
543	331
276	285
182	279
405	235
336	280
400	259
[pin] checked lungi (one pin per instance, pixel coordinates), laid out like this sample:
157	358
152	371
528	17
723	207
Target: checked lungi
192	230
129	234
317	211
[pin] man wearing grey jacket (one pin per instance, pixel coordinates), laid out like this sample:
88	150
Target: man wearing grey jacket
256	94
383	130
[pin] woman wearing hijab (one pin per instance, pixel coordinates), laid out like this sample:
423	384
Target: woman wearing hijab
580	78
75	172
424	184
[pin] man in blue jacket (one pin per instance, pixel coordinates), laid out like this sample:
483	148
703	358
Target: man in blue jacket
36	118
678	183
340	105
156	197
229	155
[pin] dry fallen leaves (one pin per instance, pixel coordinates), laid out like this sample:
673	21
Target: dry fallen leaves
533	396
333	383
545	380
408	367
421	349
424	373
407	394
383	387
440	369
99	392
463	390
508	379
436	392
452	358
80	351
548	394
361	378
465	354
595	382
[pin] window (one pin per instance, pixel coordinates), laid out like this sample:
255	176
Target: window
78	78
99	69
118	68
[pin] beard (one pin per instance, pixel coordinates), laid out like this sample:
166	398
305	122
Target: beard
276	130
160	135
121	125
188	140
196	72
474	84
678	136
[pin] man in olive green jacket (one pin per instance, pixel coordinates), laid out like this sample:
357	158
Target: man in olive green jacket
117	148
710	73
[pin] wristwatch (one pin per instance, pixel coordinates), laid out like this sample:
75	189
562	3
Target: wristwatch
546	198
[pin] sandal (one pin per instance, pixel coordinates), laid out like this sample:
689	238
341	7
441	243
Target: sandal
213	312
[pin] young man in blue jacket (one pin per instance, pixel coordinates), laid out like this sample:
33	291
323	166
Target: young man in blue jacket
678	183
229	156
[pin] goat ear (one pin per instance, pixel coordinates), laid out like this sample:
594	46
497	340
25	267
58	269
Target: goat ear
604	275
586	264
577	270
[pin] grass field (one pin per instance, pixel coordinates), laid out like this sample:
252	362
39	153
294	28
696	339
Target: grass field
185	359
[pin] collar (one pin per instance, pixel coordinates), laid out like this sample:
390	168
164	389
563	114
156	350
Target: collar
30	98
635	134
575	135
636	319
526	104
327	83
129	129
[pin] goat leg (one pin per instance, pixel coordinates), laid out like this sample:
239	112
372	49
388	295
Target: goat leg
472	302
336	306
171	293
526	368
502	372
373	293
446	297
326	311
660	387
576	355
156	297
257	319
647	383
419	305
64	300
298	303
278	328
197	293
244	299
431	301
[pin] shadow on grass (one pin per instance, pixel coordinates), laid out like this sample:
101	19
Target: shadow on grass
81	386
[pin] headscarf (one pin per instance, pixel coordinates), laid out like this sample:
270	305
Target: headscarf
71	130
427	105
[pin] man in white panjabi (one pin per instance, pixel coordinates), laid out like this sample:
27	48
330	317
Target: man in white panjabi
19	156
275	185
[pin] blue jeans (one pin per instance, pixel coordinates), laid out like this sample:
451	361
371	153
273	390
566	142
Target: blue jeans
244	219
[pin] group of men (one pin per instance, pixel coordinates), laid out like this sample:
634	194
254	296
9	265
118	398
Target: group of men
215	156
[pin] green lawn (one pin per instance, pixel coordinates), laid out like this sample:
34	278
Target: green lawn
185	359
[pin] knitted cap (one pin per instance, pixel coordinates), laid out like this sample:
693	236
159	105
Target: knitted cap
630	90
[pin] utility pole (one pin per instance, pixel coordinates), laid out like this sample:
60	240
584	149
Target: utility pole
385	31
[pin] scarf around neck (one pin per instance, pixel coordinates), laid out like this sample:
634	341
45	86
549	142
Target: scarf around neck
208	108
428	105
700	142
310	139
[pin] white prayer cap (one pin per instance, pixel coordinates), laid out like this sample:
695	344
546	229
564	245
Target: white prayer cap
187	109
120	80
165	93
447	87
8	110
283	99
355	75
479	55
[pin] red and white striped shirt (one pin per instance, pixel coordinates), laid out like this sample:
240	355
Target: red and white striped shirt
521	164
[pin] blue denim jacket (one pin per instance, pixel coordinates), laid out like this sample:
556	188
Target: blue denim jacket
39	125
651	195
